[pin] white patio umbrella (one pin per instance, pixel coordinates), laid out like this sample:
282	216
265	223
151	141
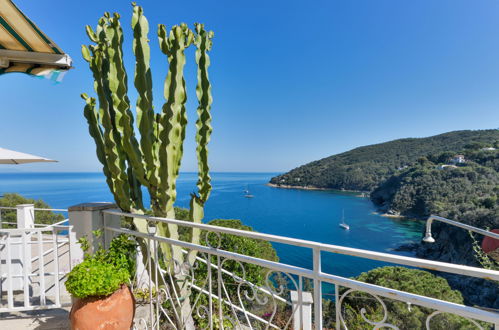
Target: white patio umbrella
14	157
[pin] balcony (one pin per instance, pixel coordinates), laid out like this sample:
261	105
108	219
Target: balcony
205	286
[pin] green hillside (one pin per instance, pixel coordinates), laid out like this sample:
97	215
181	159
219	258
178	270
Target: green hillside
467	193
364	168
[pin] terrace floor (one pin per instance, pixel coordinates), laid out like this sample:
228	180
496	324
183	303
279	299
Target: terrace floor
39	320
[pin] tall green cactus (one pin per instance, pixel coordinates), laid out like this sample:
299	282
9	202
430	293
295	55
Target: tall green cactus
154	161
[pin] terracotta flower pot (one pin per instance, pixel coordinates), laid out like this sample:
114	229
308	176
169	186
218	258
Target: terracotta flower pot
115	311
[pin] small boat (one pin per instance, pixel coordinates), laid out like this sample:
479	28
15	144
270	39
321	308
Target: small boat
345	226
247	193
342	223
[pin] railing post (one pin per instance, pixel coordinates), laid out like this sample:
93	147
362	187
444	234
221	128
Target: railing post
85	218
317	289
110	221
25	216
306	309
337	306
21	253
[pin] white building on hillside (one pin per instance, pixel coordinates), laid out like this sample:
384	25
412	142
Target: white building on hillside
458	159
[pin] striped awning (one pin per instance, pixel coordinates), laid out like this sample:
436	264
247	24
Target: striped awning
25	48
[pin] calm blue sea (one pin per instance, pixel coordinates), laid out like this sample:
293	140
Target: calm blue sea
311	215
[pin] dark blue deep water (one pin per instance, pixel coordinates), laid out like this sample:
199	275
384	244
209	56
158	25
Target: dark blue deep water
311	215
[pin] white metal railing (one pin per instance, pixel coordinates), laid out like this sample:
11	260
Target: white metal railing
429	239
250	307
32	210
34	261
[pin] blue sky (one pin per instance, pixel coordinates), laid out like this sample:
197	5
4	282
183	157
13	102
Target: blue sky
293	81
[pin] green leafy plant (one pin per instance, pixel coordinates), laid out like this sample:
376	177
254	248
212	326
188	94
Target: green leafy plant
93	277
105	271
144	295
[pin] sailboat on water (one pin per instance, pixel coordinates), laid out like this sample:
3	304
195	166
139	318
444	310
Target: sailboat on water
342	223
247	193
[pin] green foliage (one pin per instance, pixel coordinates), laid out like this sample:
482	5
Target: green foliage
401	314
122	253
84	244
94	277
144	295
41	217
412	280
467	193
105	271
203	322
366	167
242	245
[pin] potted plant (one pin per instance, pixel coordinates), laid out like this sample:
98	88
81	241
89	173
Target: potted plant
102	298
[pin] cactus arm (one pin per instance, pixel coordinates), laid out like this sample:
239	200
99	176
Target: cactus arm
99	65
170	121
203	124
203	131
173	120
143	83
135	191
196	214
96	133
123	121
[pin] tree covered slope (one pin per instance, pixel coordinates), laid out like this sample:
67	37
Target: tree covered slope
364	168
467	192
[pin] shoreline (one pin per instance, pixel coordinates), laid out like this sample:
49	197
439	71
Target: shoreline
393	216
284	186
399	216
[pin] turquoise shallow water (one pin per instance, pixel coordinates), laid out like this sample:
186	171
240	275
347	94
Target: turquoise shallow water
311	215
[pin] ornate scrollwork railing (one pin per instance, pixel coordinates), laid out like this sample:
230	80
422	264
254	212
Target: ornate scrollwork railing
376	324
204	294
